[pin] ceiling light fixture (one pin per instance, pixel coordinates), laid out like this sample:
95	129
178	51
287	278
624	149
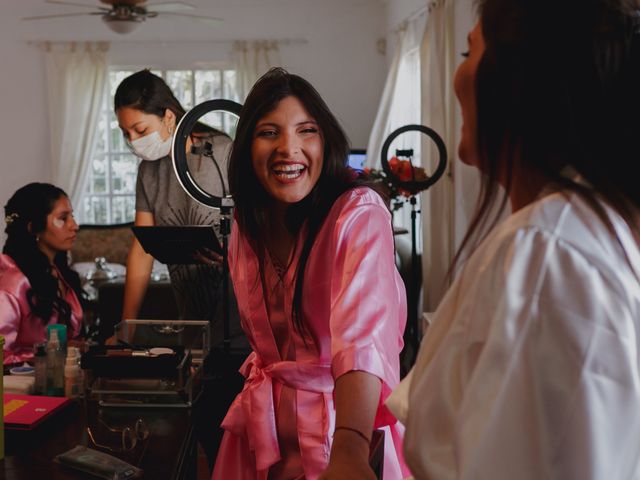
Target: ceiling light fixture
125	18
122	25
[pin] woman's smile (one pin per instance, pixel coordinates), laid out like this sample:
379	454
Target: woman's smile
288	172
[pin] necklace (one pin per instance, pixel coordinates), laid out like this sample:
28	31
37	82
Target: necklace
280	245
279	267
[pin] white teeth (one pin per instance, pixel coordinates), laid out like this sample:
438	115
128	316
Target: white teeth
288	168
288	176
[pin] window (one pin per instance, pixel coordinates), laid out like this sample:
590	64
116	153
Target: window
109	196
405	110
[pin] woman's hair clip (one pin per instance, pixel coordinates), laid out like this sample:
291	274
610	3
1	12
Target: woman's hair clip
9	219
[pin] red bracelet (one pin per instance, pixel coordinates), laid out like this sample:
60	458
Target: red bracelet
354	430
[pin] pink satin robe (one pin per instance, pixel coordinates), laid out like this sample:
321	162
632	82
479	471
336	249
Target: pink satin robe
355	308
19	327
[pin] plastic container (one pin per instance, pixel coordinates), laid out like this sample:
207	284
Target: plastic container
62	334
72	374
24	369
55	365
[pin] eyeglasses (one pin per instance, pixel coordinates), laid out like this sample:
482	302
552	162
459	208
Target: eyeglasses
129	437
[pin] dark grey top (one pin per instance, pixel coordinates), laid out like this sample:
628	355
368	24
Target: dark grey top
197	288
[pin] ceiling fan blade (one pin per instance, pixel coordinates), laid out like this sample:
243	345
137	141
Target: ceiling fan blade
42	17
169	7
93	7
198	18
132	3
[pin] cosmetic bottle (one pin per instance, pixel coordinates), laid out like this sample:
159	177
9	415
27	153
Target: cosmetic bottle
55	365
72	374
40	367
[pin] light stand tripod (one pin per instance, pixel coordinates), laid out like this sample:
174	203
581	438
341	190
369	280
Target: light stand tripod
413	186
222	381
224	203
225	231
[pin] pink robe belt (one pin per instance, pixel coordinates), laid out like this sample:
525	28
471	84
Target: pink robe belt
252	413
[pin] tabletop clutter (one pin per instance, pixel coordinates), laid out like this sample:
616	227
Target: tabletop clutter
55	372
160	370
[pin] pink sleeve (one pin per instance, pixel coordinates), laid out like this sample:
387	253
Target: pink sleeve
9	324
368	302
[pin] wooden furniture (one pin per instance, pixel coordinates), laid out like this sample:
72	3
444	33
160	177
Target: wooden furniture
169	452
109	241
159	303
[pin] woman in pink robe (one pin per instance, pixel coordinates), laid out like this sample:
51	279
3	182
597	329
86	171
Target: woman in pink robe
37	287
312	261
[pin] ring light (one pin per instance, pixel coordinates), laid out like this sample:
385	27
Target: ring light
415	186
412	332
179	151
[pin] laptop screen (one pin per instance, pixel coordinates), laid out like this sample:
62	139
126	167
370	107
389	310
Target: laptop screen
357	158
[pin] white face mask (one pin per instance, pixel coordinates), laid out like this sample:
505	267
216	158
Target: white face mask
151	147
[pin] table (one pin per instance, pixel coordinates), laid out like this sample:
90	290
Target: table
170	451
159	303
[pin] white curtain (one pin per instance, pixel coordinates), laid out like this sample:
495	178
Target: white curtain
76	76
252	59
400	102
400	106
447	206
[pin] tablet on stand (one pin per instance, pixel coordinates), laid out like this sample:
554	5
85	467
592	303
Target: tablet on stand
177	245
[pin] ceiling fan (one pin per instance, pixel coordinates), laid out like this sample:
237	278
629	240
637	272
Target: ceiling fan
123	16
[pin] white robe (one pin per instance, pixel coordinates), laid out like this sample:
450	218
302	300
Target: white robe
530	369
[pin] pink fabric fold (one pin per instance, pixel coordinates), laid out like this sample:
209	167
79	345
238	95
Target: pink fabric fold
253	413
20	328
354	307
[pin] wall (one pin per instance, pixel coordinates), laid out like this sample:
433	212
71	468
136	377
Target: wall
339	57
24	134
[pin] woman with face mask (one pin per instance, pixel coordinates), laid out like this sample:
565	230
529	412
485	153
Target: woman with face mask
37	287
148	112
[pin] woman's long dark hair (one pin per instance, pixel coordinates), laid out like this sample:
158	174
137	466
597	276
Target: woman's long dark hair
557	88
150	94
26	214
252	203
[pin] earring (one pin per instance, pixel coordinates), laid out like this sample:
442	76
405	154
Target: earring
170	130
37	238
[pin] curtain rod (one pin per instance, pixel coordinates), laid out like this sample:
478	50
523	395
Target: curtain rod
412	16
282	41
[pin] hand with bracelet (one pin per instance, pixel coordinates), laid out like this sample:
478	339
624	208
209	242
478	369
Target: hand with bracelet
357	394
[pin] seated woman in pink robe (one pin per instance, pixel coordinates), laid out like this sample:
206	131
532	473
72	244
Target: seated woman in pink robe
312	261
37	287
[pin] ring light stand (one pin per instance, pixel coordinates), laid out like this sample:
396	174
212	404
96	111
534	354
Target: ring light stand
411	336
224	203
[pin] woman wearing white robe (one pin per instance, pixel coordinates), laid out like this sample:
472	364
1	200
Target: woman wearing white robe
530	369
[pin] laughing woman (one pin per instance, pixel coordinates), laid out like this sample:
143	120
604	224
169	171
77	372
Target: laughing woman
37	287
312	262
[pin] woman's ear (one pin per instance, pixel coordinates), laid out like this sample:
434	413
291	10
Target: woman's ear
169	120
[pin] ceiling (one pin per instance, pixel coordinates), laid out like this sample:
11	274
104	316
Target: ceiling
234	12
